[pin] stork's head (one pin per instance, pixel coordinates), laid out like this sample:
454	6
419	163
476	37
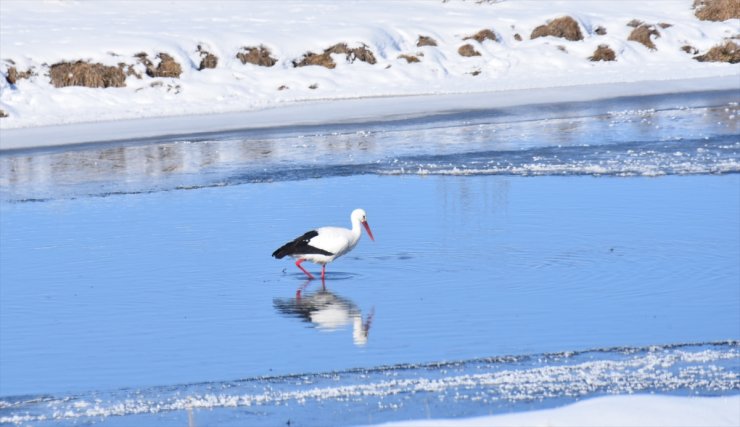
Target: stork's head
359	215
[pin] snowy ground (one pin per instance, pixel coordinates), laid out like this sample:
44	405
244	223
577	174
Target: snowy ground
36	34
624	411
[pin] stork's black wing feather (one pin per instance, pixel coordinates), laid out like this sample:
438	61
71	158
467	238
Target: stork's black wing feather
300	246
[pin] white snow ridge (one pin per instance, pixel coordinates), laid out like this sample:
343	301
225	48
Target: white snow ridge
36	35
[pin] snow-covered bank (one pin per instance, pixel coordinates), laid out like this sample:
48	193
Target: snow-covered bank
34	35
624	411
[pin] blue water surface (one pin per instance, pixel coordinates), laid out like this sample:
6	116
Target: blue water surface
179	286
160	279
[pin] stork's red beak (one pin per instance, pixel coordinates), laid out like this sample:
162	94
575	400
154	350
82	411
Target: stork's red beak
367	228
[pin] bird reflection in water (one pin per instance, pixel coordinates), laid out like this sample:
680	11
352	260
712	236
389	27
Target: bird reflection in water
326	311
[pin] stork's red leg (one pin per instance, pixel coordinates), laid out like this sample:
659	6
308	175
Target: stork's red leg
323	271
298	264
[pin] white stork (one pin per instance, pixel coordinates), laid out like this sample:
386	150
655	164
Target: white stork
324	245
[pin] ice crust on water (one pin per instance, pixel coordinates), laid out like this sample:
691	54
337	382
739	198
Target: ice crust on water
688	369
526	147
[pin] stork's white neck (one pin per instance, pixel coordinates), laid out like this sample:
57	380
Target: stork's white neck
356	231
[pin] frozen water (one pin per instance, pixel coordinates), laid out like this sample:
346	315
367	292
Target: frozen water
358	396
137	285
683	134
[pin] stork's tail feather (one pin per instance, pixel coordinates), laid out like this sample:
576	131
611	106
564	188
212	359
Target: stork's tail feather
300	246
283	250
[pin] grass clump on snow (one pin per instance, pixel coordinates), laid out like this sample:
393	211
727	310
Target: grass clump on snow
361	53
729	51
409	58
81	73
14	75
642	34
259	55
468	50
167	66
603	53
324	59
321	59
717	10
425	41
482	36
208	60
564	27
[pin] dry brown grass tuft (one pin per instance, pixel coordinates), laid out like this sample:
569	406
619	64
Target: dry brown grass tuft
603	53
664	25
729	51
635	23
564	27
363	54
691	50
208	60
310	58
409	58
482	36
14	75
339	48
425	41
324	59
517	37
259	55
600	30
717	10
129	70
85	74
167	66
468	50
143	58
642	35
3	114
